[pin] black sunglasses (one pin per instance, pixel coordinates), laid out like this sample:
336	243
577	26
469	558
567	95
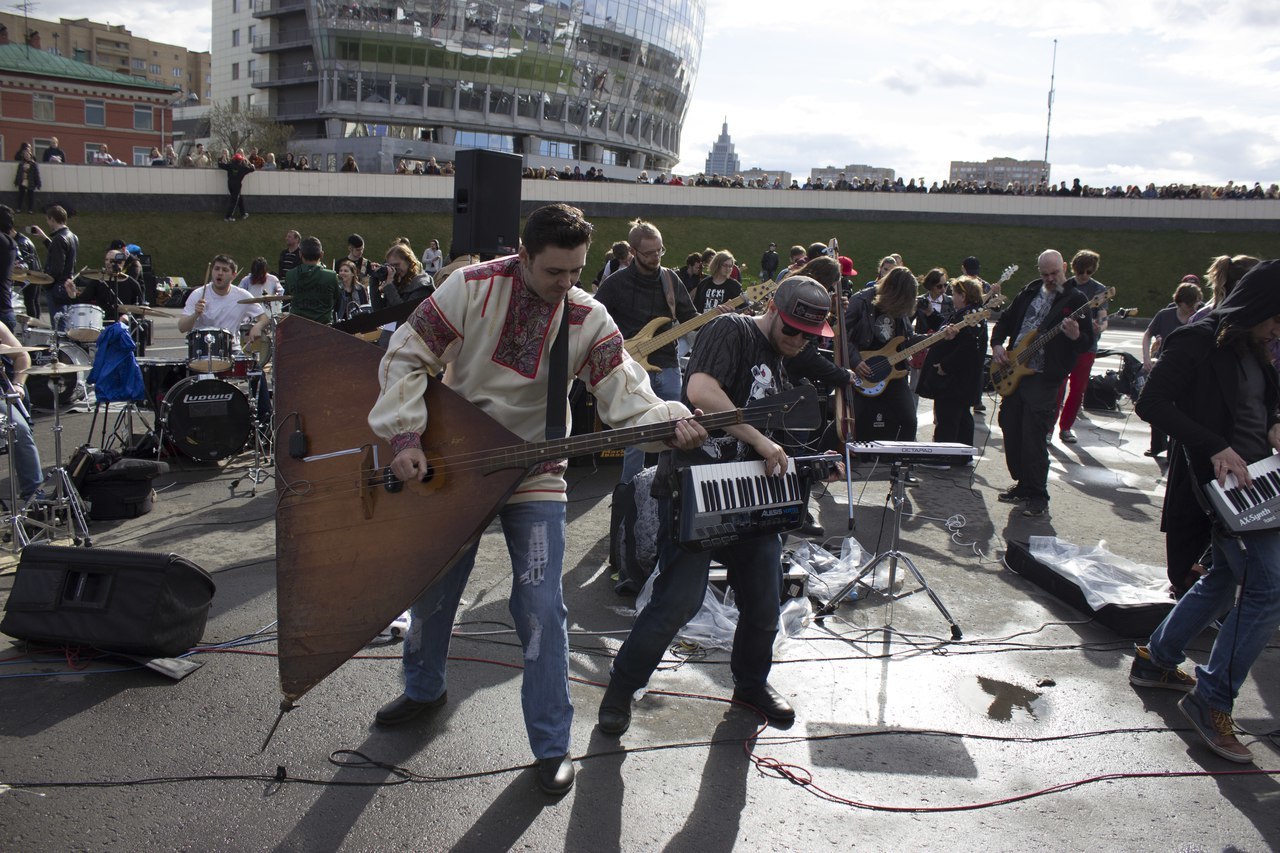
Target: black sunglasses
791	331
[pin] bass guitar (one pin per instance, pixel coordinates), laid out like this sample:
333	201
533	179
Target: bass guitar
884	363
1005	377
649	340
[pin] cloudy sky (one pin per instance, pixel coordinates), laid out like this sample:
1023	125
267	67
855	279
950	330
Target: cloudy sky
1168	91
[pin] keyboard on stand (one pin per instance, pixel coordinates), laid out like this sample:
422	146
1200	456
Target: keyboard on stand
719	504
1253	508
923	452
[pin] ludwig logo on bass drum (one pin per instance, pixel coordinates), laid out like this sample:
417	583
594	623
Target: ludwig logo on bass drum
208	398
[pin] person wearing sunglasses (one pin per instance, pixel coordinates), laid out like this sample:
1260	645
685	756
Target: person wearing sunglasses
738	359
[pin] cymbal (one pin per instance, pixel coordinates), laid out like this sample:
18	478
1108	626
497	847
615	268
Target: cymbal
8	350
145	310
32	276
57	368
95	275
259	300
32	322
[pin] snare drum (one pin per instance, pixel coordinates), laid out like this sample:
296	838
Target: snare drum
209	350
206	419
84	322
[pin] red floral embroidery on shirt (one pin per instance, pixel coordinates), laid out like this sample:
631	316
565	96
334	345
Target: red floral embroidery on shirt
433	328
604	358
524	332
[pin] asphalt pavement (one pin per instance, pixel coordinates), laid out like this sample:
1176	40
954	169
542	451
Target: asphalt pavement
1024	734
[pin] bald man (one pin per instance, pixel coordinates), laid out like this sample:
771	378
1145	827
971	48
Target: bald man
1027	415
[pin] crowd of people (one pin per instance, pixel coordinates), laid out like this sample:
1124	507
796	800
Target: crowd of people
201	158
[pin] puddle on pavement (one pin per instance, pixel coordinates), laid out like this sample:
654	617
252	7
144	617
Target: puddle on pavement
1002	701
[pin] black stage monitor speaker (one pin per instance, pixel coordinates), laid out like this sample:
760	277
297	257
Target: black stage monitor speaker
486	203
134	602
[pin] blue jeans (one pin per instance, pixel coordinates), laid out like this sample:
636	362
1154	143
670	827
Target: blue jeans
755	573
1247	628
666	384
26	457
535	541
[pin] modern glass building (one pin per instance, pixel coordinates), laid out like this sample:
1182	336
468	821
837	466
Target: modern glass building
585	82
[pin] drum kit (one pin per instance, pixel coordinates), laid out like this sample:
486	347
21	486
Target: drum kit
210	404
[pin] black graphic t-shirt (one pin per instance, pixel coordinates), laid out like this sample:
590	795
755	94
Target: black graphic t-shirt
733	351
709	295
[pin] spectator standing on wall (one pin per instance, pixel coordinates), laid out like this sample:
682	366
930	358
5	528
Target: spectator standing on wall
237	168
27	179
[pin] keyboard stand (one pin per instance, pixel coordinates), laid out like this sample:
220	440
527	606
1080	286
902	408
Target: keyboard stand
898	494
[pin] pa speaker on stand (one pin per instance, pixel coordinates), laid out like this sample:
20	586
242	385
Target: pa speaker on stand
486	203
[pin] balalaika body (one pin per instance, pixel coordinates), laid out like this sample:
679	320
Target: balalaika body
721	503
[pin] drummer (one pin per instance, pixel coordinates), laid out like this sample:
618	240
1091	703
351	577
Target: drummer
217	305
110	288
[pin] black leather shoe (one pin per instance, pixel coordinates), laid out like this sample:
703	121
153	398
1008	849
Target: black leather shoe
402	709
767	701
1011	496
615	711
555	775
811	527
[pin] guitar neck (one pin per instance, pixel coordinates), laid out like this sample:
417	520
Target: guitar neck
533	453
1043	339
679	330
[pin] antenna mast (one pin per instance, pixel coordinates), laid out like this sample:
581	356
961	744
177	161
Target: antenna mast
1052	74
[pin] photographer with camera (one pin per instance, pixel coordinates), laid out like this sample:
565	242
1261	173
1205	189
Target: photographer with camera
400	279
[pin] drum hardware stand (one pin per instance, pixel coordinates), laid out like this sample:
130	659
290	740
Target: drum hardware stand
16	518
65	495
122	432
899	474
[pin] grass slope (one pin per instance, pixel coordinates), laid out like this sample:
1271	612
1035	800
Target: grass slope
1144	266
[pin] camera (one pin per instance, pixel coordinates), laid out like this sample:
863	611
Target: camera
379	275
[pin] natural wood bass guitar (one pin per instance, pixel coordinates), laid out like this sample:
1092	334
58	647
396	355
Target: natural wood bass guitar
1005	377
649	340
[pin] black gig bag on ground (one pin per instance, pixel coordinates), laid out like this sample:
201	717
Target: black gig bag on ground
123	490
134	602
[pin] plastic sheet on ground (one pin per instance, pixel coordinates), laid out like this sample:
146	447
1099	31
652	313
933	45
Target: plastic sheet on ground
714	624
1104	578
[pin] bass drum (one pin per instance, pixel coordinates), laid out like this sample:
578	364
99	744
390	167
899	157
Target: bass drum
206	419
41	390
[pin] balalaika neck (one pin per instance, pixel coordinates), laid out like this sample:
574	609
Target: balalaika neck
535	452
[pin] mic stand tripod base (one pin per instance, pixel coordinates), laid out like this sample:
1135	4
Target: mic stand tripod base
898	495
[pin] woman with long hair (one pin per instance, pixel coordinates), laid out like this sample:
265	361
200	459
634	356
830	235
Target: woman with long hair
876	317
405	279
353	294
260	281
432	258
718	286
954	365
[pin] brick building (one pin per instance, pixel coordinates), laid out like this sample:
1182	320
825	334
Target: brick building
85	107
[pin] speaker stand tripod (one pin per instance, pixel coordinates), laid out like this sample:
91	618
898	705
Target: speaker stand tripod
898	477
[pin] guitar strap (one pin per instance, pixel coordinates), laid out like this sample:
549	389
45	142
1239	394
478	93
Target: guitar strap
558	377
668	290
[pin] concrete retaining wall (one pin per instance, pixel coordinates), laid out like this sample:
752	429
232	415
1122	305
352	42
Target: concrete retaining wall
106	188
